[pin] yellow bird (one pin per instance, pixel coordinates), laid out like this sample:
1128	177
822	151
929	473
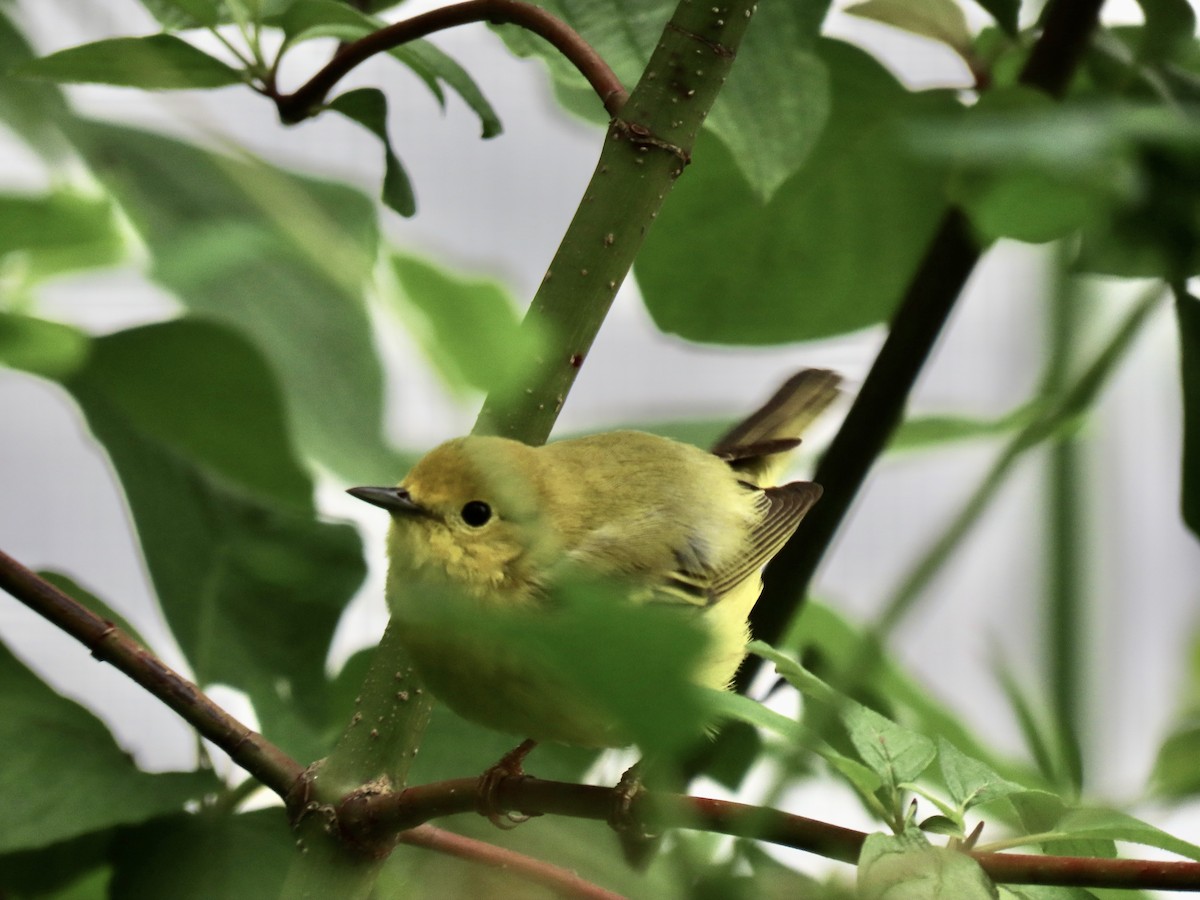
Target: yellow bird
495	524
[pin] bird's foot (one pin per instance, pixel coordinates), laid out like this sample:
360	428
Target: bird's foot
509	766
637	842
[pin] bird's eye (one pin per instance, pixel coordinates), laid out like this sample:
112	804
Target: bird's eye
476	513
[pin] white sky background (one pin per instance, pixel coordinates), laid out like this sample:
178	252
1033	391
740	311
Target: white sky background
499	208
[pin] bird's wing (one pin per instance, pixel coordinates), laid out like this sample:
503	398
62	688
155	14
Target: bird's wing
780	510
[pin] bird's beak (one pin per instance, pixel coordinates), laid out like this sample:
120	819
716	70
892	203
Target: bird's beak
393	499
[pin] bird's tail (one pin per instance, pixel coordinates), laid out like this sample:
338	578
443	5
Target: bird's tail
758	446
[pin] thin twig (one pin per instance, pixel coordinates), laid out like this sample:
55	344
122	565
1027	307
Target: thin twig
916	326
563	882
376	814
108	643
307	99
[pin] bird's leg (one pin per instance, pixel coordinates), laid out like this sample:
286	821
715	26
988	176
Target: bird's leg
637	842
509	766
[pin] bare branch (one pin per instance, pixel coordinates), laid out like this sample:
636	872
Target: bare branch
307	99
108	643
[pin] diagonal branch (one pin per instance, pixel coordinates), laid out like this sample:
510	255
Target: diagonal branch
307	99
915	328
108	643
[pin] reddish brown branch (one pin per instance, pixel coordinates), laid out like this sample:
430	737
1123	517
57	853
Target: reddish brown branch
305	101
563	882
373	816
108	643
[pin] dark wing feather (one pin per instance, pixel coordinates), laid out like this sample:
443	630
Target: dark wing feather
782	508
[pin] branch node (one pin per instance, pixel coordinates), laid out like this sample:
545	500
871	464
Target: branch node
643	138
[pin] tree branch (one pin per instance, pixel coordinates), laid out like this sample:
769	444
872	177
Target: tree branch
308	98
915	328
370	816
108	643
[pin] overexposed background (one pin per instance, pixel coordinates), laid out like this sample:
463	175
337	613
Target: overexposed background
60	509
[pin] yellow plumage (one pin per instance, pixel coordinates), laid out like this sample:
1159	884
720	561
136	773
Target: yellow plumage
487	523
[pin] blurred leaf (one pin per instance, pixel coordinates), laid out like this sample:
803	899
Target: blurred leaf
906	867
93	886
41	347
205	857
308	19
173	14
969	781
368	107
939	20
1005	12
174	383
1043	892
833	250
159	62
1038	190
1187	311
639	690
470	329
64	776
771	112
1170	25
185	13
58	232
1040	743
1175	774
251	583
33	110
49	869
928	432
282	258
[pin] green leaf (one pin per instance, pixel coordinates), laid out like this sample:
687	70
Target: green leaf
1175	773
830	253
470	329
775	105
48	870
41	347
58	232
308	19
186	13
1005	12
1043	892
906	867
969	781
894	753
205	857
64	776
159	62
205	394
283	259
1169	29
1187	311
1113	825
251	583
33	110
368	107
931	432
939	20
424	57
769	114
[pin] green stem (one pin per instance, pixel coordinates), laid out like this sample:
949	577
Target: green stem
1064	536
647	146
